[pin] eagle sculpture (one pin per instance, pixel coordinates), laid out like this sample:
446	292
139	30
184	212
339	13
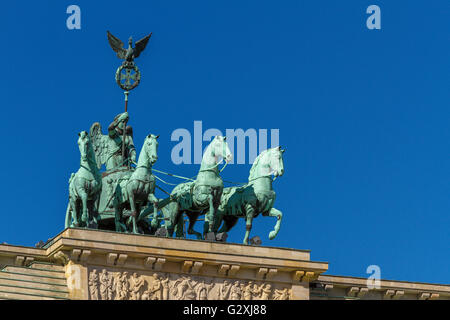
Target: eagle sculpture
131	53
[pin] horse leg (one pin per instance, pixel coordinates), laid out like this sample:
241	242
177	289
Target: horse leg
179	230
74	215
84	197
131	198
275	213
96	204
133	215
90	214
135	227
117	218
216	215
219	218
176	220
228	223
169	213
192	220
217	221
118	209
179	224
248	223
168	224
209	217
154	200
94	213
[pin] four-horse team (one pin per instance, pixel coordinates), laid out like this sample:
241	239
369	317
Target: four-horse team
122	197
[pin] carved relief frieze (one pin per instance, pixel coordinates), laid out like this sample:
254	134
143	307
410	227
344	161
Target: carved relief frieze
124	285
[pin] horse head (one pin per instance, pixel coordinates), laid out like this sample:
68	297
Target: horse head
83	145
151	148
276	162
219	149
269	162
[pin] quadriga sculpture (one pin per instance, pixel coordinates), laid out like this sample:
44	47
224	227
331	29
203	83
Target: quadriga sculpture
84	187
201	196
256	197
137	190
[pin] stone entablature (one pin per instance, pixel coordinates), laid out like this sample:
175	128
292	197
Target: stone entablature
190	268
340	287
117	266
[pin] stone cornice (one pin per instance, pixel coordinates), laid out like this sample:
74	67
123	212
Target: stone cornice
142	252
193	254
82	250
391	287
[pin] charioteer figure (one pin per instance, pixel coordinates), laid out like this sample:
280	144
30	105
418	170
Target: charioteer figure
108	148
114	157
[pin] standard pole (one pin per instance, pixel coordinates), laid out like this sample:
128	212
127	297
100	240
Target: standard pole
125	131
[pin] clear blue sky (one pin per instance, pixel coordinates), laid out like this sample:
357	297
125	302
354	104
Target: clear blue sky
364	115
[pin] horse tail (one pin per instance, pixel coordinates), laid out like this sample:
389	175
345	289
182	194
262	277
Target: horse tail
68	216
71	177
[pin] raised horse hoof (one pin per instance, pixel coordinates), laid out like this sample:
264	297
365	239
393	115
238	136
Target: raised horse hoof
272	235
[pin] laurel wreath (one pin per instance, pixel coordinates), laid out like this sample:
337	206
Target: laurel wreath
120	76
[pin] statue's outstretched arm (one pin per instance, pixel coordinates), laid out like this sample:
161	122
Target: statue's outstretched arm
120	118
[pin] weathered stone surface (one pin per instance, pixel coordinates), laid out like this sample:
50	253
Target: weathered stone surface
135	266
338	287
92	264
36	281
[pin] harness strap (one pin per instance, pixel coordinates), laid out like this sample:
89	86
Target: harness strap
266	176
170	184
173	175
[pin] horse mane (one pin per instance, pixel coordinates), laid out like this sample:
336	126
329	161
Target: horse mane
208	148
209	145
256	162
91	153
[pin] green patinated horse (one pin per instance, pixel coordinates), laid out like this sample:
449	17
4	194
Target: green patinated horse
256	197
137	190
84	187
201	196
